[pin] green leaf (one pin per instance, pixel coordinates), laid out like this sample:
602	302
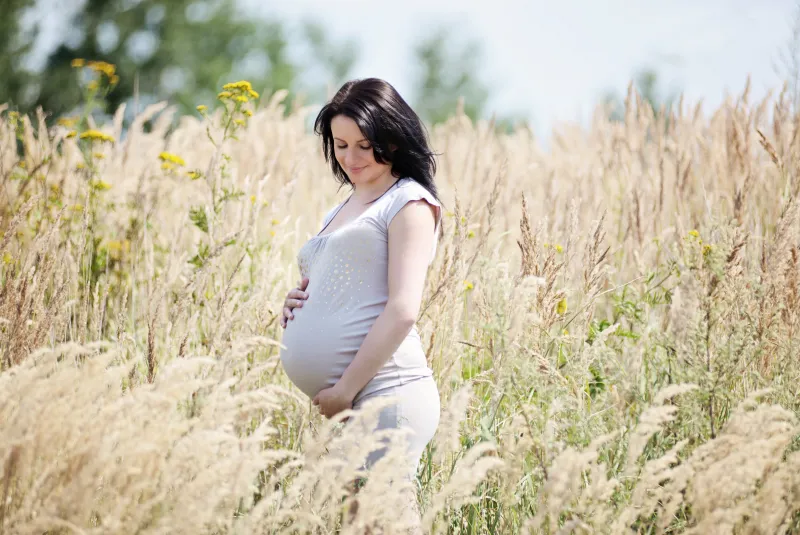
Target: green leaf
199	218
199	260
597	384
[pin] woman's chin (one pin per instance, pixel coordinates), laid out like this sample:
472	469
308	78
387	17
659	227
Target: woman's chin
359	177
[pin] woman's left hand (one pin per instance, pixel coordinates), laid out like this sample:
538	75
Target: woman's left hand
333	400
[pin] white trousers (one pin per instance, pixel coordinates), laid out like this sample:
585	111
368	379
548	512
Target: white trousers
416	408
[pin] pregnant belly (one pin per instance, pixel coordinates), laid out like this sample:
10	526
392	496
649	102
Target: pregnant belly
319	346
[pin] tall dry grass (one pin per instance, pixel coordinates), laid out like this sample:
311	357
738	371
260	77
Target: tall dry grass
612	324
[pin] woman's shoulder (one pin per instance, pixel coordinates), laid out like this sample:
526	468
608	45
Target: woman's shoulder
409	189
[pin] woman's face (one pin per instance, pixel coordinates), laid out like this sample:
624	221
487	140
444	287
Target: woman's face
354	152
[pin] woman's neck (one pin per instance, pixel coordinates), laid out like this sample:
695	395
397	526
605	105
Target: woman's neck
364	193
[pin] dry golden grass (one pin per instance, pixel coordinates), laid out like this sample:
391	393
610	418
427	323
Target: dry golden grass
612	324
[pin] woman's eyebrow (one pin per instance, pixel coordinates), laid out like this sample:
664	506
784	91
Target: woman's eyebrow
343	141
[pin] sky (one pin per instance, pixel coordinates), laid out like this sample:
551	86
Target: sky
552	61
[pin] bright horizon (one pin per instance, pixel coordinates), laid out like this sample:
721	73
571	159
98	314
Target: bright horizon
552	62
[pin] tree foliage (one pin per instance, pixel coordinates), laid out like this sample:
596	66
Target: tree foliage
178	50
646	83
446	74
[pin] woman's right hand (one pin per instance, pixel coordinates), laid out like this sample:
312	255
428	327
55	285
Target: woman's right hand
294	299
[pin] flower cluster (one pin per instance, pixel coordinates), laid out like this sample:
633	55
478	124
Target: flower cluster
235	96
241	91
108	70
67	122
96	135
169	160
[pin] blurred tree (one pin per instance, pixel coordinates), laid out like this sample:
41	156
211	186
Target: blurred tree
182	50
338	60
15	43
445	75
788	63
647	84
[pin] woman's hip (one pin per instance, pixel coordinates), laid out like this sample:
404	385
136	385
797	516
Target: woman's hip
415	405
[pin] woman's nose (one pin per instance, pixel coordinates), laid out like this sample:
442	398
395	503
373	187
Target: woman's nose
350	157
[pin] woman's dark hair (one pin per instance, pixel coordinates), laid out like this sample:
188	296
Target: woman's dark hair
386	120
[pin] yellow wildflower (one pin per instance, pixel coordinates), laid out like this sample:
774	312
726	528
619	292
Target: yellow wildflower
194	175
81	165
276	222
706	250
114	80
272	233
117	248
93	85
561	307
102	185
99	155
247	113
171	158
565	332
694	234
167	166
202	107
77	63
67	122
449	214
96	135
108	69
77	207
242	87
71	134
241	98
252	199
240	122
7	258
471	234
224	95
468	286
559	249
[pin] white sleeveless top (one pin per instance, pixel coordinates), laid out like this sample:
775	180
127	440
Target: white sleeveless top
348	289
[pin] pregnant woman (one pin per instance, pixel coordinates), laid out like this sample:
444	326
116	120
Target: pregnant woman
349	327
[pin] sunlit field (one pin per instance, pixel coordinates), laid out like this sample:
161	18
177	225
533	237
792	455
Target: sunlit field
613	323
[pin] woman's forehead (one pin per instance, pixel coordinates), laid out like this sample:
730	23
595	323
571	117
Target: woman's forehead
346	129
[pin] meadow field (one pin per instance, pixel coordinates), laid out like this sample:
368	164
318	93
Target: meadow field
612	322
